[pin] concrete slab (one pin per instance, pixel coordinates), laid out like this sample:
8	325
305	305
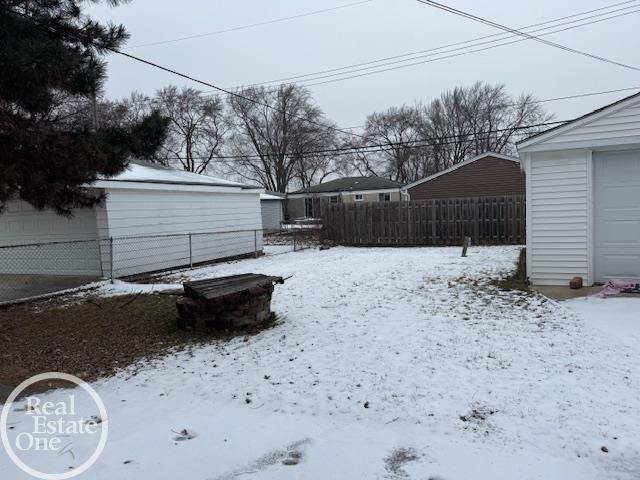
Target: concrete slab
15	287
566	293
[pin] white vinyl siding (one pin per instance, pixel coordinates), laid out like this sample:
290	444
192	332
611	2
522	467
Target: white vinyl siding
272	215
21	224
581	204
558	217
156	213
150	229
620	126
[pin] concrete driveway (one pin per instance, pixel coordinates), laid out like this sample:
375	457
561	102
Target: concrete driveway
15	287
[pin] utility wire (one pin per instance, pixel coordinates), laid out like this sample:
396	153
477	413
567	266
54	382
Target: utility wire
252	25
463	50
460	54
187	77
465	42
387	146
229	92
476	18
446	46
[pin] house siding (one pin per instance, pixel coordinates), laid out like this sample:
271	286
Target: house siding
558	217
619	126
272	215
21	224
296	206
369	197
156	214
486	177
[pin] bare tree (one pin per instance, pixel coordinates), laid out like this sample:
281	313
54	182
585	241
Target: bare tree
468	121
273	131
197	128
398	131
463	122
124	112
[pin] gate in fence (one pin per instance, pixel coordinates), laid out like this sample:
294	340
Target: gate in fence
487	220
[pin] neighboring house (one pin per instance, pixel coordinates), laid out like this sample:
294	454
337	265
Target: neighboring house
487	175
583	197
306	203
272	206
149	211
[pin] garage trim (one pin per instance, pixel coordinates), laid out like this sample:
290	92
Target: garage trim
590	220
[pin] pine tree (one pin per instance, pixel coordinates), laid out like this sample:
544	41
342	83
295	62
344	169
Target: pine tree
51	71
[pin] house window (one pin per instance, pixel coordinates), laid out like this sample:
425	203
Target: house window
384	197
358	197
308	207
333	199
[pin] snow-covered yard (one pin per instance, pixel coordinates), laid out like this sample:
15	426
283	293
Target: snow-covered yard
388	363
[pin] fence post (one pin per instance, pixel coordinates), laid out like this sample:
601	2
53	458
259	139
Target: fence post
190	250
255	243
111	258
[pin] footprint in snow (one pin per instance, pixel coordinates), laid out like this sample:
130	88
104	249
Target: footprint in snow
184	435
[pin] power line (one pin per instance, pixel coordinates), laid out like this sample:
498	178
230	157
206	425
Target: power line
387	146
406	65
229	92
545	100
189	77
456	44
582	95
252	25
463	50
476	18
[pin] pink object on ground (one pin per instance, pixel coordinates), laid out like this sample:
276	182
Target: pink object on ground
616	287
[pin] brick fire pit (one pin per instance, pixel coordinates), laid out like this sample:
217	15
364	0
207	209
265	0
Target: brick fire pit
227	302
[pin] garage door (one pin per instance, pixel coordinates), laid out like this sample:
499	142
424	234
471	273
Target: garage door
617	215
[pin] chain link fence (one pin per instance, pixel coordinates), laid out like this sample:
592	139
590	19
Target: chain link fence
38	268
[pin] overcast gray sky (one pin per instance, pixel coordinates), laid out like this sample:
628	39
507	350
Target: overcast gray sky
369	31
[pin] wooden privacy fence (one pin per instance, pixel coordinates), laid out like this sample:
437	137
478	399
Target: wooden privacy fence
487	220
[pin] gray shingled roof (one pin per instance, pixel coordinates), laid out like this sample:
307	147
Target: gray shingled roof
349	184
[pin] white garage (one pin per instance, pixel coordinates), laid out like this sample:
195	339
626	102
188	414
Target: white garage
583	197
151	219
272	205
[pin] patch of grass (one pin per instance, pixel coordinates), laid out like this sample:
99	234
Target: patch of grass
95	337
518	279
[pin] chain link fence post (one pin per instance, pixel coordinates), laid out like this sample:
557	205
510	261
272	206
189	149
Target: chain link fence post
111	258
255	243
190	250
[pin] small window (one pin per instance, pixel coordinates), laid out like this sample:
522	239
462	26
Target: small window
333	199
308	207
384	197
358	197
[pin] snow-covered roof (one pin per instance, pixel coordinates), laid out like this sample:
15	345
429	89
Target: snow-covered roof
267	196
152	174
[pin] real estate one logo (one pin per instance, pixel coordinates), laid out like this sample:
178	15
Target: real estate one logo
54	436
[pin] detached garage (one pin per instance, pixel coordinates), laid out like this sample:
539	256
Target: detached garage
151	219
583	197
272	205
